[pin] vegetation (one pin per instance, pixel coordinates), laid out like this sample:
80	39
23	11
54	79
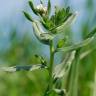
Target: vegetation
45	78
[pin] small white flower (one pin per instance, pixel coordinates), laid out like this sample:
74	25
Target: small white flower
39	7
42	9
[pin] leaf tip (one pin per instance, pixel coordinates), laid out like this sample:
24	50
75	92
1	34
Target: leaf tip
27	16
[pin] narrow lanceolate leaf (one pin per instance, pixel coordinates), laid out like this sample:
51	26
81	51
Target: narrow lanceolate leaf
22	68
40	34
32	7
61	69
76	46
42	60
49	7
28	16
66	24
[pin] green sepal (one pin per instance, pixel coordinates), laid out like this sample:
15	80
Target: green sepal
49	7
68	9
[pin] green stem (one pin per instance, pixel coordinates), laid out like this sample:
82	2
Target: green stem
94	86
51	64
50	85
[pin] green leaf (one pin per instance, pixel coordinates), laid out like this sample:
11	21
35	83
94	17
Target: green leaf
40	34
65	24
47	23
32	7
23	68
42	60
76	46
62	69
28	16
56	20
61	15
85	52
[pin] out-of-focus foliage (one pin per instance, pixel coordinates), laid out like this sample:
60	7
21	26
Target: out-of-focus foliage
21	52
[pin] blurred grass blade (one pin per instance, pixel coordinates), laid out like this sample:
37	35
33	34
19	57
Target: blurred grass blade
28	16
76	46
86	53
94	85
61	69
23	68
73	79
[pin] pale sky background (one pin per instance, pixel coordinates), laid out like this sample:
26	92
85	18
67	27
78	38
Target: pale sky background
11	16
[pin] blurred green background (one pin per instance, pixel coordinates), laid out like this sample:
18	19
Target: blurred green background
18	46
